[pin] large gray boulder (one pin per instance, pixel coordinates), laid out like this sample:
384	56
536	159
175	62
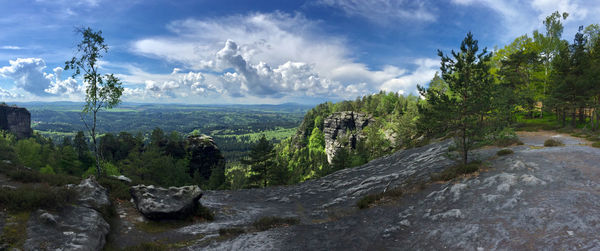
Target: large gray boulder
73	228
342	130
91	194
159	203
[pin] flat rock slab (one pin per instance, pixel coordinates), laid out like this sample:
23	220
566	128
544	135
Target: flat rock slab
535	199
166	203
73	228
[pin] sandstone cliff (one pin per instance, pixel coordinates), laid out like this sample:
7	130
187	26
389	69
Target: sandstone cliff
15	120
342	130
205	155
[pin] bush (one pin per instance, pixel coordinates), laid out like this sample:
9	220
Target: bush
367	200
30	176
231	231
370	199
204	213
454	171
116	189
553	142
30	198
266	223
596	144
504	152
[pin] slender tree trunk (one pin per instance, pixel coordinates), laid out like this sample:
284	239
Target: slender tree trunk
582	115
98	168
574	117
564	117
464	145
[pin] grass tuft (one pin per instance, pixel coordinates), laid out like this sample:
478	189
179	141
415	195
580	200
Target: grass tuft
552	142
455	171
233	231
504	152
596	144
266	223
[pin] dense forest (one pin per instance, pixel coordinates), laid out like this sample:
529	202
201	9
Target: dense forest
234	127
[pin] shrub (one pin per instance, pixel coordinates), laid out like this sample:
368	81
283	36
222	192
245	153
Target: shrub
266	223
367	200
552	142
47	170
116	189
30	176
14	232
596	144
454	171
504	152
29	198
231	231
204	213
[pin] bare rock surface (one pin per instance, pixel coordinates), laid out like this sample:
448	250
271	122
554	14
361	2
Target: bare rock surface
166	203
91	194
535	199
74	227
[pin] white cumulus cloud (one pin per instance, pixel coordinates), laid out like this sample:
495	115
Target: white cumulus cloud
385	11
272	55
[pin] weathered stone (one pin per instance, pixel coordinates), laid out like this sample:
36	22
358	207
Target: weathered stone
166	203
91	194
205	155
73	228
15	120
342	130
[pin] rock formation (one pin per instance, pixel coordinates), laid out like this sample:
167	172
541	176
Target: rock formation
74	227
159	203
342	130
205	155
15	120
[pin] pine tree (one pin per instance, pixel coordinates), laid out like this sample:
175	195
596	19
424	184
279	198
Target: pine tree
464	109
260	160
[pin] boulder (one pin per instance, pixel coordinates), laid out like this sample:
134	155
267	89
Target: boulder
205	155
342	130
15	120
166	203
73	228
91	194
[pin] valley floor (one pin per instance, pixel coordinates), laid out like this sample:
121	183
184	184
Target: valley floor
537	198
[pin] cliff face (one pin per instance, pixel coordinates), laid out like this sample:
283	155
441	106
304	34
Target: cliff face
16	120
342	130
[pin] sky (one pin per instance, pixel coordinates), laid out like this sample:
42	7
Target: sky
254	51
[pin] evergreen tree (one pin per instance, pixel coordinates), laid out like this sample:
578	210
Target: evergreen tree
260	160
470	83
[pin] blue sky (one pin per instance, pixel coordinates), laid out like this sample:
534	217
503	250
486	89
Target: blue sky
256	51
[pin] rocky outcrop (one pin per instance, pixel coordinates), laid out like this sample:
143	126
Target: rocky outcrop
342	130
159	203
74	227
15	120
205	155
91	194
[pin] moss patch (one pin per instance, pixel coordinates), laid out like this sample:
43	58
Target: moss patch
504	152
553	142
15	230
